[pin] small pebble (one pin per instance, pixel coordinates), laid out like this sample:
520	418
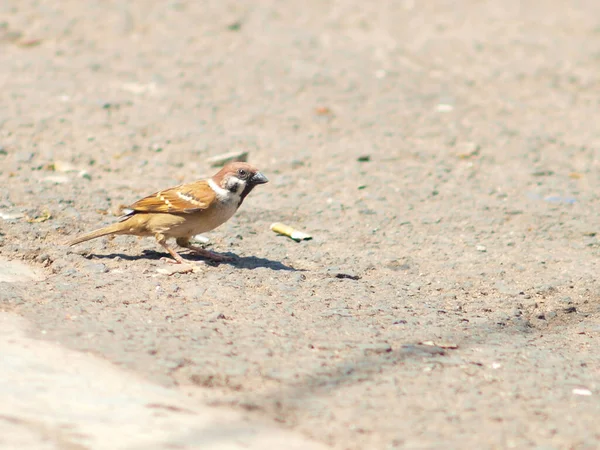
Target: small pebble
225	158
23	156
96	268
215	316
545	289
375	348
503	317
348	275
299	277
584	392
414	286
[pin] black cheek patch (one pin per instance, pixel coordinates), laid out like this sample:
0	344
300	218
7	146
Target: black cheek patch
246	191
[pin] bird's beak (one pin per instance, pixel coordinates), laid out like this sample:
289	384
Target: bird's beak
259	178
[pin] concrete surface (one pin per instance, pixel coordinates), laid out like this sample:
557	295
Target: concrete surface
54	398
445	157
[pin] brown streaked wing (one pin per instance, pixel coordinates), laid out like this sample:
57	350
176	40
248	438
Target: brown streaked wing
187	198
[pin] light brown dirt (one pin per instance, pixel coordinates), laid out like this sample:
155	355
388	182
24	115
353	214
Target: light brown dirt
473	223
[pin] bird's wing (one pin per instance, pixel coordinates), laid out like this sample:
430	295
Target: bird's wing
183	199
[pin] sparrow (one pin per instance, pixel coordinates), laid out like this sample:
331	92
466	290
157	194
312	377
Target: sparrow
183	211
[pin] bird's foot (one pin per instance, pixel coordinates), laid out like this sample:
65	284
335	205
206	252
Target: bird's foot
178	267
208	254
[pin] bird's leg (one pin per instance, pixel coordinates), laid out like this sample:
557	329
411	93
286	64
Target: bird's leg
185	243
162	240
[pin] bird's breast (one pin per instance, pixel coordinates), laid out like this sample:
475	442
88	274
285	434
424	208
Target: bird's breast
203	221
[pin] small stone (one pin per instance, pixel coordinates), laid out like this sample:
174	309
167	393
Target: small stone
444	107
503	318
43	258
323	111
63	166
542	173
545	289
375	348
156	147
216	316
503	288
522	324
467	150
397	265
442	344
11	215
226	158
96	268
299	277
330	345
367	212
422	350
584	392
235	26
414	286
57	179
23	156
200	239
347	275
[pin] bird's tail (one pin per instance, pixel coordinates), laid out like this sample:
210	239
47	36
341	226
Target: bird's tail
116	228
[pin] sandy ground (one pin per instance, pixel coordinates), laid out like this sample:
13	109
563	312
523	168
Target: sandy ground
444	155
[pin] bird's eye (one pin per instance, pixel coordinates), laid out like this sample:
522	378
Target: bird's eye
242	173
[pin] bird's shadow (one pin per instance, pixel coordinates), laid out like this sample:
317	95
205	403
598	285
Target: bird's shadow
240	262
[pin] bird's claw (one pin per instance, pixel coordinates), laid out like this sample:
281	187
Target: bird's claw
179	267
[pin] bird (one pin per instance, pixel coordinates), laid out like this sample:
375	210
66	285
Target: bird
186	210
